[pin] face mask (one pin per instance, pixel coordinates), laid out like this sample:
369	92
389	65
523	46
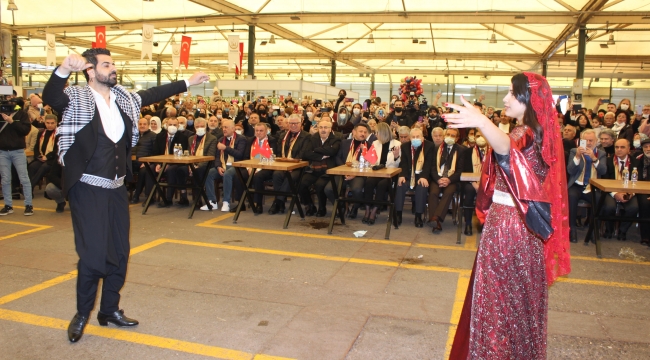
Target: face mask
398	109
190	122
40	106
219	116
341	96
381	113
636	144
172	129
342	116
356	112
200	131
470	139
275	113
239	132
310	114
416	143
349	108
268	132
450	140
624	107
481	141
573	117
645	116
181	127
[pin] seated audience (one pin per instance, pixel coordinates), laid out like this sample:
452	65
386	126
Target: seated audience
176	174
201	144
258	146
627	202
643	161
607	138
416	159
474	164
44	148
145	147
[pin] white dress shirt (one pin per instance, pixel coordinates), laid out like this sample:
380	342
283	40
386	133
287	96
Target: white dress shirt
112	121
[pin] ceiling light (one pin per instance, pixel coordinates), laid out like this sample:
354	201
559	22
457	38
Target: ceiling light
371	40
272	39
493	39
423	42
200	20
12	6
402	62
604	46
611	40
416	41
339	41
295	17
263	42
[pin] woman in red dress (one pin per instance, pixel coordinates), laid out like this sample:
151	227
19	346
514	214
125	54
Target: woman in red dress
522	201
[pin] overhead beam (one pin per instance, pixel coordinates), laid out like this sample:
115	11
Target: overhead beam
72	41
511	39
532	32
105	10
567	6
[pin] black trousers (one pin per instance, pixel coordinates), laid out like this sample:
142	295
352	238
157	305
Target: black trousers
36	171
469	201
100	220
356	188
420	199
644	211
630	208
280	182
320	181
378	186
575	195
258	183
176	175
144	180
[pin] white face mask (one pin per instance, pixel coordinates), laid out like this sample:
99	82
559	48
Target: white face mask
40	106
342	116
624	107
450	140
239	132
470	139
181	127
636	144
200	131
645	116
219	116
310	115
172	129
356	111
481	141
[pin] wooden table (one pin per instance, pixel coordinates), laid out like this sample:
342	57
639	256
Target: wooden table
286	167
387	173
29	153
183	160
606	186
468	177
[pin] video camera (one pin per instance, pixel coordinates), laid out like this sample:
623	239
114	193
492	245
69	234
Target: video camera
7	106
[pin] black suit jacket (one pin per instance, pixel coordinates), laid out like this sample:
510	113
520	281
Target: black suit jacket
161	142
37	147
237	152
342	155
146	144
460	160
330	148
273	144
406	161
300	148
77	157
612	167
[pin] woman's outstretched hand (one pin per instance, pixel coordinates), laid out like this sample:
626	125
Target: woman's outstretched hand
467	116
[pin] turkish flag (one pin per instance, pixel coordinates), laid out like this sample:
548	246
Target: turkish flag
185	50
241	57
371	155
100	37
265	151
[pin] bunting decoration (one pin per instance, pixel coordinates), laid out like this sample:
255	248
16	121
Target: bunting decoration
147	42
186	42
100	37
176	56
234	53
51	50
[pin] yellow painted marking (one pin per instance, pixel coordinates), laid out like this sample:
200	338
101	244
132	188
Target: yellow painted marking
216	220
42	286
133	337
443	247
470	242
36	227
617	261
604	283
456	310
43	209
147	246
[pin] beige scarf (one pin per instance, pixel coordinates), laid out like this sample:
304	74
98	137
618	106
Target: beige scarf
50	143
451	167
293	141
352	155
477	160
417	166
230	158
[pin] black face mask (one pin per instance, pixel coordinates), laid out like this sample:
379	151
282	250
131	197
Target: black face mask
398	109
341	96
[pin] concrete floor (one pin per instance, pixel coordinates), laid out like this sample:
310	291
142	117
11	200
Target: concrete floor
206	287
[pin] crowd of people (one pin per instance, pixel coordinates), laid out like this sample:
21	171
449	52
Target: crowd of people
334	132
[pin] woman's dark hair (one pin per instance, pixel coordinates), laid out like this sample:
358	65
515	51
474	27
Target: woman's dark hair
627	115
521	91
581	115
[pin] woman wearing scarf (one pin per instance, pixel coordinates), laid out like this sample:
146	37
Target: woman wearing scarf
154	125
524	246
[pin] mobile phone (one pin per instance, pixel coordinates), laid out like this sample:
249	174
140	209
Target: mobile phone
583	144
639	109
318	102
327	109
577	107
562	97
606	101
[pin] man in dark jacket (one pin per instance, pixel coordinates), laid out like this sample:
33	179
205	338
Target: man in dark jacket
643	161
145	147
176	174
402	116
325	146
14	127
44	149
53	189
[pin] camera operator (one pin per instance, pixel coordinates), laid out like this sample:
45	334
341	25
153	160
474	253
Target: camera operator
14	126
404	116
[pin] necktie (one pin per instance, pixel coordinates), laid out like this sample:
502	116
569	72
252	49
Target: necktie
620	169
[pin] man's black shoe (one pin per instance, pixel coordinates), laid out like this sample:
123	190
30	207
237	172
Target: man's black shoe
163	204
310	210
321	212
60	207
257	209
275	207
135	199
183	202
418	221
233	208
116	318
468	229
76	327
353	213
622	236
573	235
399	217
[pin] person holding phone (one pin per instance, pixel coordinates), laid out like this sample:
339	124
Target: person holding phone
401	115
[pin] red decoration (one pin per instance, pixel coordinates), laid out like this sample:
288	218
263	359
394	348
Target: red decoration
100	37
371	155
410	85
241	57
186	42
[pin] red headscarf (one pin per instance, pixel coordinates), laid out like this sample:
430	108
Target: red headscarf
556	249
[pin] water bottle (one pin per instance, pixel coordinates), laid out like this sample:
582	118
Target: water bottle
177	150
362	163
635	176
626	176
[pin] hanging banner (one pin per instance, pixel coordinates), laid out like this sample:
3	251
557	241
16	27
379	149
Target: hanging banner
100	37
233	52
186	41
241	57
51	50
176	56
147	41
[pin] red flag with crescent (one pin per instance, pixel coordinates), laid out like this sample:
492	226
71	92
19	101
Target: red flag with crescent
185	50
371	155
100	37
264	150
241	57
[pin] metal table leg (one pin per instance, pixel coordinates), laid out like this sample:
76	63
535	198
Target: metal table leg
156	186
294	197
247	192
336	204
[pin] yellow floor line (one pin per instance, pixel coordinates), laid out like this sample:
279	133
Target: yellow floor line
36	227
459	300
216	220
42	286
23	223
470	242
604	283
134	337
617	261
147	246
43	209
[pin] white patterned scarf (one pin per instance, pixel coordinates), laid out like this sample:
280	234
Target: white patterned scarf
81	110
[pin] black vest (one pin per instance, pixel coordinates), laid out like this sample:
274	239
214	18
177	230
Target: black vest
109	158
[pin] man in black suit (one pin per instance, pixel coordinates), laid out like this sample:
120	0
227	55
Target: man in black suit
627	202
325	146
257	146
201	144
176	174
417	157
448	163
95	151
45	148
294	145
145	147
351	150
643	161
